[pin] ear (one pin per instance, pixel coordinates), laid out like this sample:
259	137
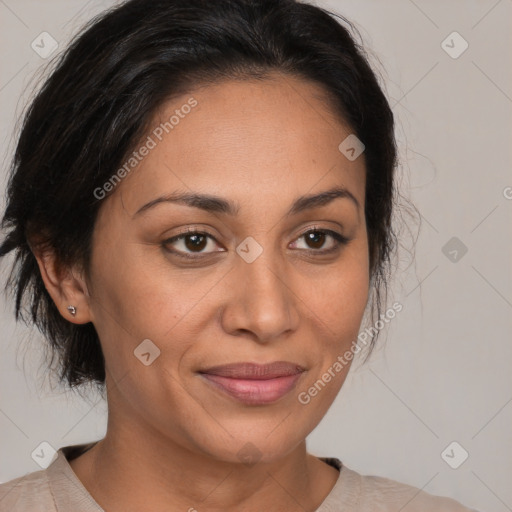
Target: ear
66	286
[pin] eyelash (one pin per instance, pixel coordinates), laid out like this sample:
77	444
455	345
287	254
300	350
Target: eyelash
340	239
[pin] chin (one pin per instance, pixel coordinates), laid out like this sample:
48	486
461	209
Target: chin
249	450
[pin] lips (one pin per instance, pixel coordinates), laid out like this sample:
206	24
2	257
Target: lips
254	384
255	371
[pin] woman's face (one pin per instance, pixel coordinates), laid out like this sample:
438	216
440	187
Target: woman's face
266	282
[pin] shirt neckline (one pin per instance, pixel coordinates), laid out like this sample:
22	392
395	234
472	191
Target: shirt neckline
60	476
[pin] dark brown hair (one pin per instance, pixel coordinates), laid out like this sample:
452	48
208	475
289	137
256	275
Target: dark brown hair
107	86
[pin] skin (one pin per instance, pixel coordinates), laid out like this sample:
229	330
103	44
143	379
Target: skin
172	440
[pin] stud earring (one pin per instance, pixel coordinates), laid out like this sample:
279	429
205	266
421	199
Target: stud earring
72	310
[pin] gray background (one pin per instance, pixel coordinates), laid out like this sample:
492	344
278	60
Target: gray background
442	370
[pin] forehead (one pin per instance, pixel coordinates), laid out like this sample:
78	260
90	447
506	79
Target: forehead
244	138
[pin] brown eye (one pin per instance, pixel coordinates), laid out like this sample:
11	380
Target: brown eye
195	242
191	244
315	239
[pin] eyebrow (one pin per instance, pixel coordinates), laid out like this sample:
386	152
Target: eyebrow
215	204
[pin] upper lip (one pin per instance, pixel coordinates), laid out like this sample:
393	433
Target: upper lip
255	371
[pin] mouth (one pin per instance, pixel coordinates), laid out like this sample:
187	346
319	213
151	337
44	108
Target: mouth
254	384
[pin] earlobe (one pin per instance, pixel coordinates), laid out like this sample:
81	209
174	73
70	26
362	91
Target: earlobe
68	291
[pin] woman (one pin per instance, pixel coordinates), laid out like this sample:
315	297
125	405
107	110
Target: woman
200	205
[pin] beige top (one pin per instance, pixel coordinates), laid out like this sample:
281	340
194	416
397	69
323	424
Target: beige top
58	489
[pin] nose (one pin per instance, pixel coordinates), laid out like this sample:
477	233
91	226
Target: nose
262	303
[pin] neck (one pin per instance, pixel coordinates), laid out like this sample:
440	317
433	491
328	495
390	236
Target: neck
135	467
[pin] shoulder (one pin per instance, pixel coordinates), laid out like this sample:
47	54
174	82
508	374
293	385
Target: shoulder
54	489
368	493
393	494
29	493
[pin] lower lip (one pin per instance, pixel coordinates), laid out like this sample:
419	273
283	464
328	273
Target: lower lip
254	392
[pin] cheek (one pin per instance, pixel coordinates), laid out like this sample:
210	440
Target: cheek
340	304
138	296
341	297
